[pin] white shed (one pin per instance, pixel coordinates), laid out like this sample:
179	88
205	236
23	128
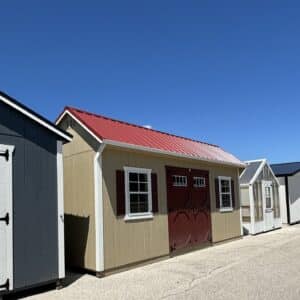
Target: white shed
259	198
288	175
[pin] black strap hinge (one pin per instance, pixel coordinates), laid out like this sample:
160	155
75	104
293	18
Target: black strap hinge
5	154
5	219
5	285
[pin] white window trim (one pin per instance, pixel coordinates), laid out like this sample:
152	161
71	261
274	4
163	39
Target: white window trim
199	186
137	216
225	209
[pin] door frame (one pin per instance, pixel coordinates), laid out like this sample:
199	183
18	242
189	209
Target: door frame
267	183
10	273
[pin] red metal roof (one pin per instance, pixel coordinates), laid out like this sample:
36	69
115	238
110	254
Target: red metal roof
108	129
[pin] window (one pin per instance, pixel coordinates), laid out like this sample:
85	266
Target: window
268	197
199	182
225	193
179	180
138	193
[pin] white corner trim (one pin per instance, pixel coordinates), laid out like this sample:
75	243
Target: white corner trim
98	191
35	118
240	202
252	213
10	247
67	112
60	211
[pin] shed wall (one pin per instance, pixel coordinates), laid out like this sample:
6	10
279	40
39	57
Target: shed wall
79	200
129	242
294	197
35	231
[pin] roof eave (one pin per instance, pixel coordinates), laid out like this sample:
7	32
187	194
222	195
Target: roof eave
165	152
15	104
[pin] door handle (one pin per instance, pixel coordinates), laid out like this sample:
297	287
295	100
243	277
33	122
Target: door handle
6	220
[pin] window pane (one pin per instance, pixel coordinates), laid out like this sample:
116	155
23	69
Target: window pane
199	182
133	176
225	186
226	201
139	203
143	177
179	180
133	187
143	187
268	202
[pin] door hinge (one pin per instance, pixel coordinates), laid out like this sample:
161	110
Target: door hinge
5	154
5	285
5	219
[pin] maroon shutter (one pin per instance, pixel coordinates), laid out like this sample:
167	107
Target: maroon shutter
217	193
154	193
232	193
120	193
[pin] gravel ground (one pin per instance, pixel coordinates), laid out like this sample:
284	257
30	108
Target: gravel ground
266	266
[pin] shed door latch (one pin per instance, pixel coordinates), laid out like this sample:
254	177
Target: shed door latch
6	220
5	285
5	154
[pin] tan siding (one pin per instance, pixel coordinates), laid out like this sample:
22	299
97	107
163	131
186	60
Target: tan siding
129	242
79	202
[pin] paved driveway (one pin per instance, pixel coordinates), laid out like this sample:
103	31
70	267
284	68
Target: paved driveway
261	267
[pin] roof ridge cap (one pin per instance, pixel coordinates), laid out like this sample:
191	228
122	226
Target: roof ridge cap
139	126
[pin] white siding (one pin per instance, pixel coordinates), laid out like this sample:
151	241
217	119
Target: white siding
282	197
294	195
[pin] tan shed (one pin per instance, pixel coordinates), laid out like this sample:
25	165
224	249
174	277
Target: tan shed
133	194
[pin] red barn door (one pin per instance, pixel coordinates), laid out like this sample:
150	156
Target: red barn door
188	207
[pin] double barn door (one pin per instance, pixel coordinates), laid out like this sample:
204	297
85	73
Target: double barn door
188	207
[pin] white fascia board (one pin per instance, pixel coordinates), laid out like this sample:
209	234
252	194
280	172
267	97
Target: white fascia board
276	179
263	162
255	160
60	212
158	151
67	112
35	118
99	219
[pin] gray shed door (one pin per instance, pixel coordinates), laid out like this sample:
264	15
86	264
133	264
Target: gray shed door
6	235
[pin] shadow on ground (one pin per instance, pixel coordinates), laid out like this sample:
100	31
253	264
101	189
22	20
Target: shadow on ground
71	278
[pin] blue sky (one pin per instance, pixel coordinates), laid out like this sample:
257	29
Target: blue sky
226	72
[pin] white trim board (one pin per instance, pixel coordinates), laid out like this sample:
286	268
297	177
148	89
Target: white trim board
99	226
34	118
60	212
10	246
67	112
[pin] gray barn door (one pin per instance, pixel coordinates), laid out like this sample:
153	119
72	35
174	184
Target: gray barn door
6	232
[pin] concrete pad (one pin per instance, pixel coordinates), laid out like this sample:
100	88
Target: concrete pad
266	266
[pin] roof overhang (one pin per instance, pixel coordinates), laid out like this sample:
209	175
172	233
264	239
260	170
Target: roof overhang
176	154
33	116
66	112
263	163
